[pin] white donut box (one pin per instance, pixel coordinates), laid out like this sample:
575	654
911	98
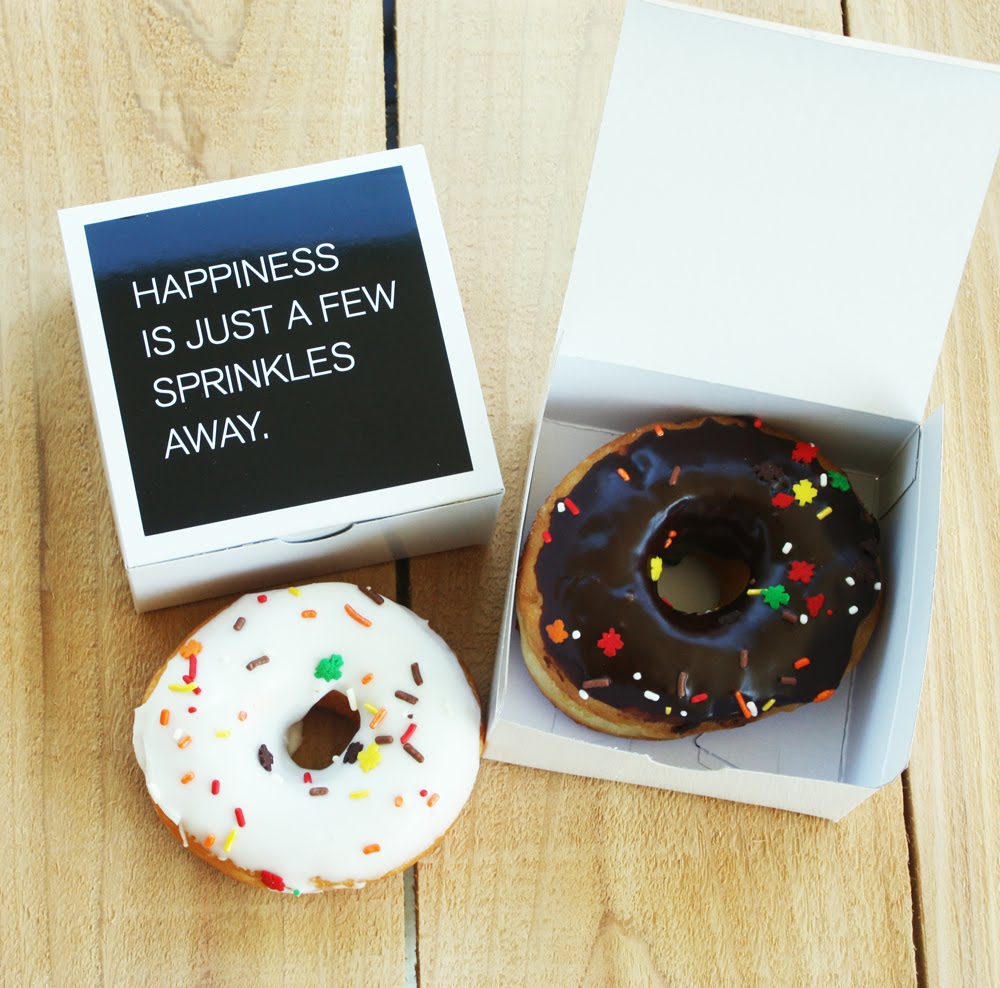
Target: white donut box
776	224
433	508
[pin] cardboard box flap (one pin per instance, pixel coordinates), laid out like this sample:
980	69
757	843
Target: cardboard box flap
779	209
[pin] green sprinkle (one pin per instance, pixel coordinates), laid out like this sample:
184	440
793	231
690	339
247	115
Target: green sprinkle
329	668
775	596
838	480
296	892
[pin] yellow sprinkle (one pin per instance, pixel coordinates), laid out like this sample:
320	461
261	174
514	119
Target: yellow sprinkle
769	704
182	687
360	794
752	593
655	568
227	847
295	592
223	734
371	708
667	710
826	511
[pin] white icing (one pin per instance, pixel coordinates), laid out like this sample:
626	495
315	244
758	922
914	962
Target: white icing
289	832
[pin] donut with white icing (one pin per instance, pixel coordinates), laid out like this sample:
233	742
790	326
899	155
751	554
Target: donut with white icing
213	735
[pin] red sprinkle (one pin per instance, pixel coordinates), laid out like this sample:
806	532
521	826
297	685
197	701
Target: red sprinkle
801	663
757	423
272	881
407	734
193	667
262	598
240	818
307	777
700	698
423	792
187	678
782	500
546	536
570	506
192	710
196	691
215	787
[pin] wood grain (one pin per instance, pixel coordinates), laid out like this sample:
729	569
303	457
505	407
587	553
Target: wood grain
558	880
103	100
954	774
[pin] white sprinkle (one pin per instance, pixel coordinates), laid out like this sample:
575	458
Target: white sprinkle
650	695
878	586
752	707
786	548
576	635
351	698
684	713
178	734
560	507
803	619
852	609
849	580
822	480
584	695
637	675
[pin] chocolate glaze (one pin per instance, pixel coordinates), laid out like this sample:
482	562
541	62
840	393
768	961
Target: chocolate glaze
594	575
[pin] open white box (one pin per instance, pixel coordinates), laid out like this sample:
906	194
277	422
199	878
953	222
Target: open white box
776	225
376	215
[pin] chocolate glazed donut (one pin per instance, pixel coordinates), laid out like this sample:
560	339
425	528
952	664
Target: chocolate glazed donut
604	646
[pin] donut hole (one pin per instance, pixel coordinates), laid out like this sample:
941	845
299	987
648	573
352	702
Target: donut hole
699	581
325	732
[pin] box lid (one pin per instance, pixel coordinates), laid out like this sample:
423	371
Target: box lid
277	357
780	209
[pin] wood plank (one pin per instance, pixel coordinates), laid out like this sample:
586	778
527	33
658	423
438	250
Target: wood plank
550	879
954	776
102	100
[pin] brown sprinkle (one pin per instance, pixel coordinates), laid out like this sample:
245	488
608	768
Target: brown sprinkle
790	616
372	595
318	791
384	739
682	681
265	757
412	752
263	660
417	678
589	684
744	658
788	681
408	697
353	750
240	621
674	474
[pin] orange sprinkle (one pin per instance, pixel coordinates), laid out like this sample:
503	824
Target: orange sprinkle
801	663
209	840
825	695
190	648
743	705
164	716
433	799
243	715
184	741
623	474
378	718
372	848
658	429
360	618
309	614
367	678
186	778
398	800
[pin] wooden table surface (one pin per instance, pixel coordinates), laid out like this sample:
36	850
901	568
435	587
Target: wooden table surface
545	880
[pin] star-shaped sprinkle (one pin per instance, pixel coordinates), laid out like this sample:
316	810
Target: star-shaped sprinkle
804	492
610	643
655	568
189	648
557	631
775	596
815	604
838	481
800	571
329	668
804	452
768	472
782	500
370	757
